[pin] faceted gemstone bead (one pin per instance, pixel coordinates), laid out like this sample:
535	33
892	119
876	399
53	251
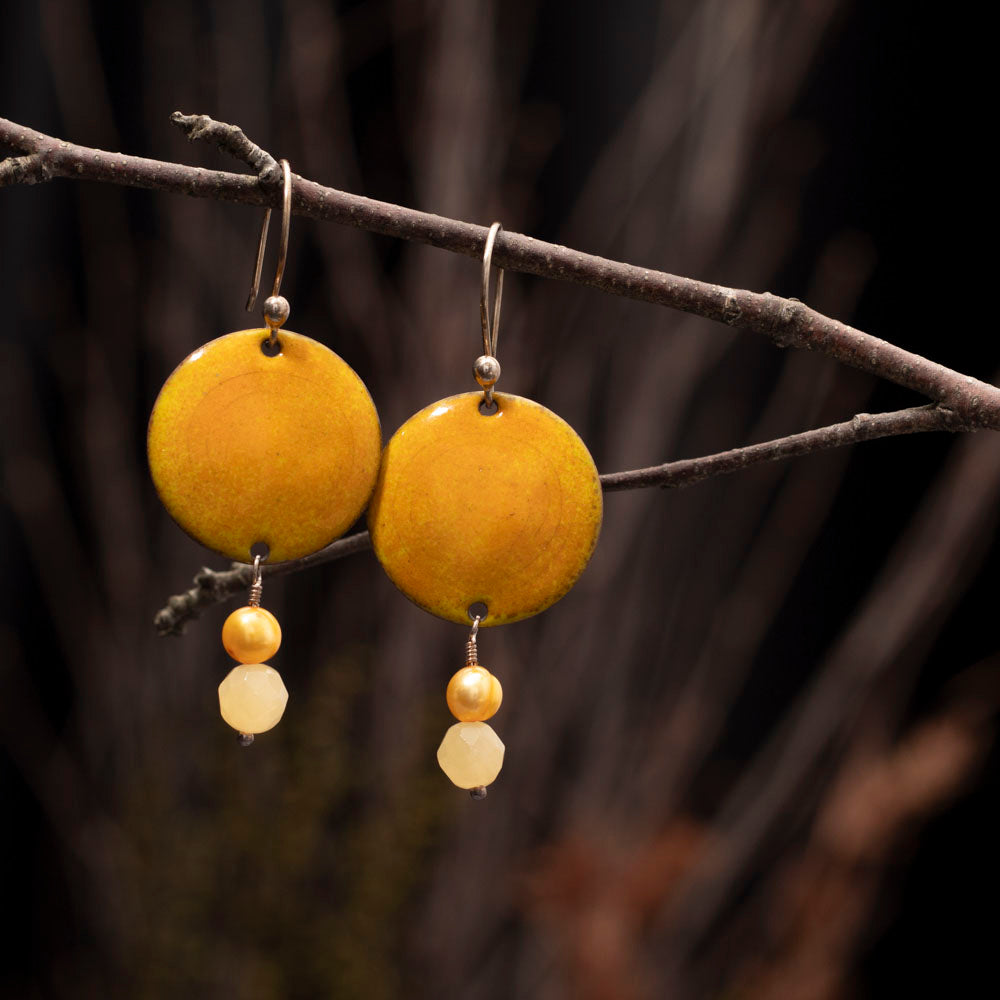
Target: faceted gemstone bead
474	694
252	698
251	635
471	754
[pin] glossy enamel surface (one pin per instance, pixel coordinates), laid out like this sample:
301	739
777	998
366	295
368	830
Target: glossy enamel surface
246	448
502	509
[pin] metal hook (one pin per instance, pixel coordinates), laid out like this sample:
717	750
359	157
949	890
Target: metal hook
276	308
490	330
256	584
487	369
471	648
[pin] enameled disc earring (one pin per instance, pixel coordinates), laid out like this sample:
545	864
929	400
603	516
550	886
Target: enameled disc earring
487	508
265	441
260	438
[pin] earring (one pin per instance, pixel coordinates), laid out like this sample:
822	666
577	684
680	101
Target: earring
264	445
487	508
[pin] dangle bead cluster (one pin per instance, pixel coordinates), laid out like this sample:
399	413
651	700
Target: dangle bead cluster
252	697
471	753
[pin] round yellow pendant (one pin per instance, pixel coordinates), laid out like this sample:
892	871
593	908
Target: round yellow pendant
247	448
502	510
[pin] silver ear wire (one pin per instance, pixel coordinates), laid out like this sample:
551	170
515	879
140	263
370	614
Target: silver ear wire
486	368
276	307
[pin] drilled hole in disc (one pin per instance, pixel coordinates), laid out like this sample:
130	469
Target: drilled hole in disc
478	610
488	409
272	348
261	549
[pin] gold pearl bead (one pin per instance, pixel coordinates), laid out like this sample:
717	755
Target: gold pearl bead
251	635
474	694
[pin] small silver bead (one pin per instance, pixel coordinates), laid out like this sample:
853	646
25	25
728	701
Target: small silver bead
244	739
478	793
276	310
486	370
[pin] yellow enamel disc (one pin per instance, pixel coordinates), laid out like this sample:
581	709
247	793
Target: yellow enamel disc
246	448
504	509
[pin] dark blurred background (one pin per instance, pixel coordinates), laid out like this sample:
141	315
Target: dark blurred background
749	756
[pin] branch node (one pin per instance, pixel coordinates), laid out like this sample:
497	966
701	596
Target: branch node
731	311
231	139
785	315
30	169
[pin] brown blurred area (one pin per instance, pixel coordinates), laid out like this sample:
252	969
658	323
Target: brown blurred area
748	756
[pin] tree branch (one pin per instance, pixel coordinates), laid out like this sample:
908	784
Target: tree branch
964	403
787	322
862	427
212	586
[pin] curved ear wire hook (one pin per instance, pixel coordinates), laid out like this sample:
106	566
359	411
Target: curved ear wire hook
490	330
276	307
487	368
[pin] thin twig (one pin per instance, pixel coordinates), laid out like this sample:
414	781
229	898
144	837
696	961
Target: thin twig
862	427
212	586
786	322
231	139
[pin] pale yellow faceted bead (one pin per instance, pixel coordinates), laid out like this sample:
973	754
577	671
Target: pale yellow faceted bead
252	698
251	635
474	694
471	754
